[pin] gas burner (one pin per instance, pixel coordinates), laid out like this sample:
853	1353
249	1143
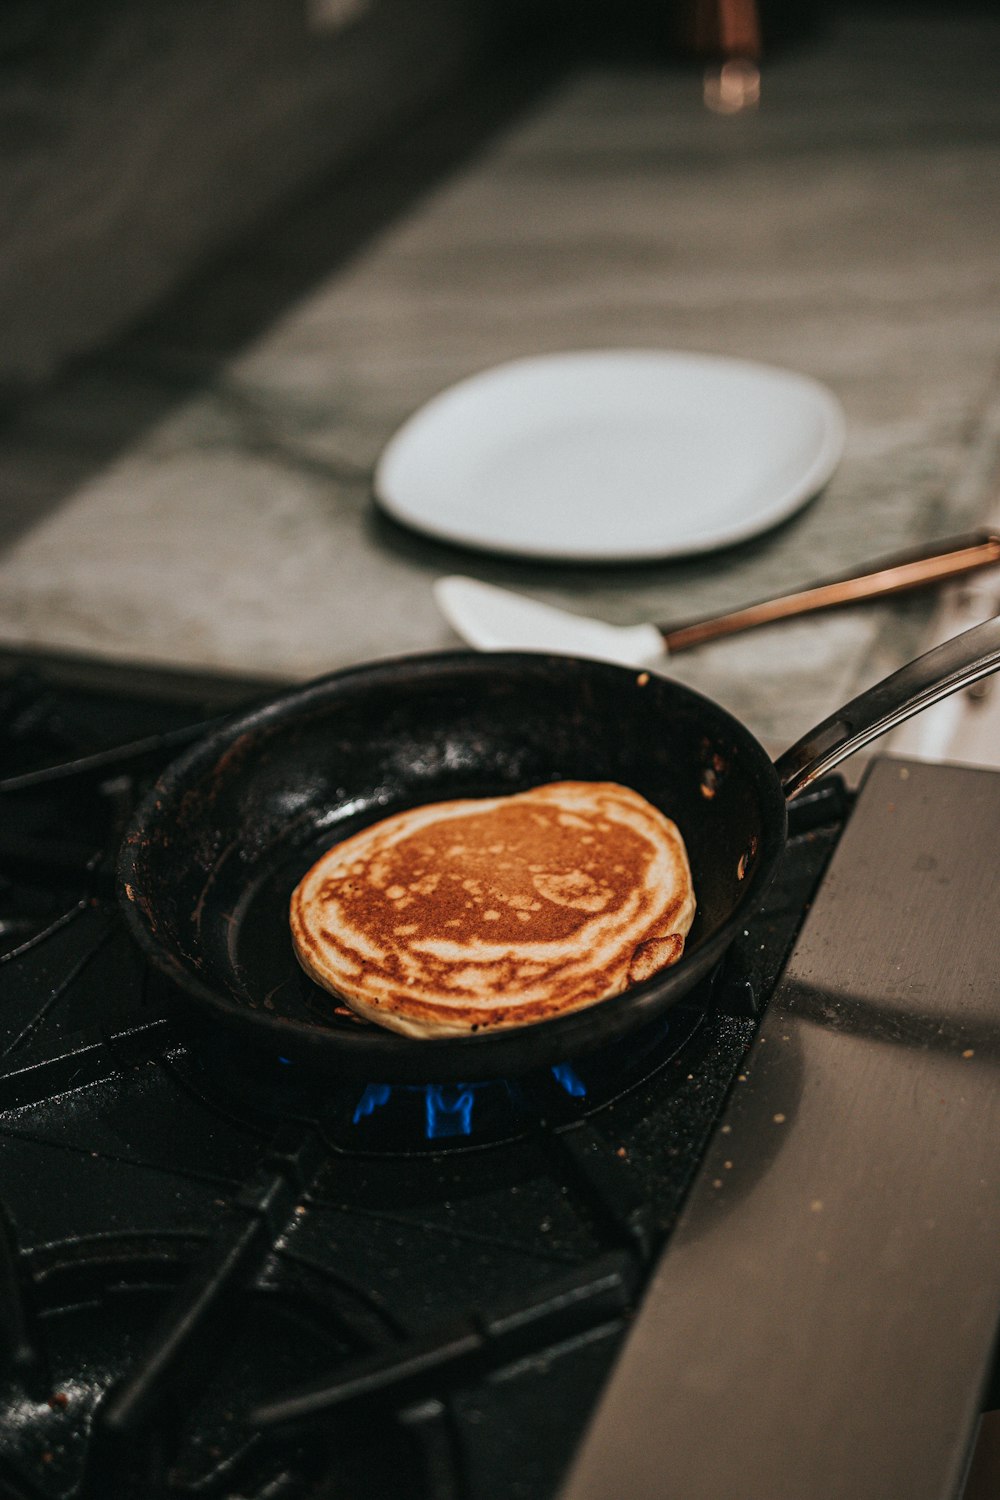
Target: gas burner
405	1119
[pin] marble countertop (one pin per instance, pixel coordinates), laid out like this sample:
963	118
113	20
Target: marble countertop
208	504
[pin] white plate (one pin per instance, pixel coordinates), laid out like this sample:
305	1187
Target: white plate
612	455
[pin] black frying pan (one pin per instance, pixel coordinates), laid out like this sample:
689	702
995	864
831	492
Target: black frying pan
209	864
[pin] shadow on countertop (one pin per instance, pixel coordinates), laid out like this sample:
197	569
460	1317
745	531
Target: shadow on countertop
56	437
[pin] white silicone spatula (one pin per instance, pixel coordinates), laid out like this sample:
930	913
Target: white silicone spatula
494	619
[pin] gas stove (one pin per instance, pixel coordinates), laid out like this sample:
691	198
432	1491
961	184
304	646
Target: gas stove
218	1280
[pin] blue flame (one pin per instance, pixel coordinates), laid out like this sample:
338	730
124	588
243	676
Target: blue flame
448	1110
570	1081
374	1096
448	1107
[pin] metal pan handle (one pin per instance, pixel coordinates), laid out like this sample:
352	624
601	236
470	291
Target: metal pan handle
952	665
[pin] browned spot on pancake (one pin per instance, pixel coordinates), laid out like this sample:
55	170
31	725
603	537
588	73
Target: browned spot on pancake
527	834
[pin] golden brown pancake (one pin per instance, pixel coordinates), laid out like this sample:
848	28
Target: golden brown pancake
464	916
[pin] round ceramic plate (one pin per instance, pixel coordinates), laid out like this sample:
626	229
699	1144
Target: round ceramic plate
612	455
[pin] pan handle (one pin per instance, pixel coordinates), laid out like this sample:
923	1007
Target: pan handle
952	665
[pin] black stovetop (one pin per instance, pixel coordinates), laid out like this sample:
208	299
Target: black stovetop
215	1281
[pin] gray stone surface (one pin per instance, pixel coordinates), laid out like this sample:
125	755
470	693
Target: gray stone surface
135	140
848	229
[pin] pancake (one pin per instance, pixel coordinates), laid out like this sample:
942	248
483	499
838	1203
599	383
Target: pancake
470	915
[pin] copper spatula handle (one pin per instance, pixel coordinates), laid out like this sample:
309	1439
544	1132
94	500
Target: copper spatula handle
894	575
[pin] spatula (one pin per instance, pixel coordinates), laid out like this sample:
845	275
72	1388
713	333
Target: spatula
495	619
